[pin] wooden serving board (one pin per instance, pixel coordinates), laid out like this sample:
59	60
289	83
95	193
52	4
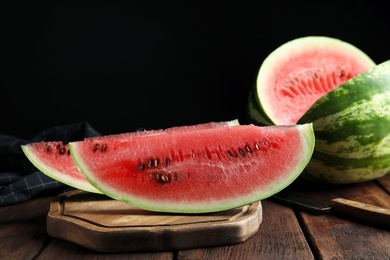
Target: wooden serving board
102	224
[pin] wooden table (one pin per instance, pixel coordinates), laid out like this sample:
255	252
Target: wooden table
285	232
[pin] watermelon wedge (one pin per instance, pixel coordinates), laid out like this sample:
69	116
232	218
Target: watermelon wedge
200	171
53	158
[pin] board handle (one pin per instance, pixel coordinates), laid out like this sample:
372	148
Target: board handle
367	212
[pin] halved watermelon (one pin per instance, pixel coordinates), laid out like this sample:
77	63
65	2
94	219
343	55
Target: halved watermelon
298	73
54	160
199	171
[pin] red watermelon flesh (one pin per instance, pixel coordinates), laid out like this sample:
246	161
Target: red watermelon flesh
54	160
53	157
295	75
196	171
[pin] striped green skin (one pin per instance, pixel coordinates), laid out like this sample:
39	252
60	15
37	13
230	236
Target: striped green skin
352	129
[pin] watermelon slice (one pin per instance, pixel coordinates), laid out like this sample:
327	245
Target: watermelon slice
54	160
200	171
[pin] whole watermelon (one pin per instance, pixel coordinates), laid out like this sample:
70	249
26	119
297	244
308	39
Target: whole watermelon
352	128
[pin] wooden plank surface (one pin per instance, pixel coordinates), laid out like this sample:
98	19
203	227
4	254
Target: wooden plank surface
334	236
279	237
384	182
23	229
59	249
285	233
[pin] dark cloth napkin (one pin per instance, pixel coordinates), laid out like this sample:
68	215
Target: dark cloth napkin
19	179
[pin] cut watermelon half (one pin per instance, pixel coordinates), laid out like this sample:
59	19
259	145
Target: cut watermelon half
53	158
198	171
296	74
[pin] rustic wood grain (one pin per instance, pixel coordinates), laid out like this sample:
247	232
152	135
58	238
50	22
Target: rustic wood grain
377	215
367	192
22	229
337	237
106	225
384	182
279	237
59	249
285	232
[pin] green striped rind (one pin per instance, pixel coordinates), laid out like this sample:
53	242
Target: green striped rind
352	128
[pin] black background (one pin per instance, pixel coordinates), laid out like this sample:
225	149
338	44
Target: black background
121	65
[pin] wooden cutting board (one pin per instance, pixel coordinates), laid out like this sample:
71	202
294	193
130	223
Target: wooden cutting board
102	224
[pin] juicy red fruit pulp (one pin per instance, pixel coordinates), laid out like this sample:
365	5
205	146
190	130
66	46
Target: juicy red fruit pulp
195	170
300	72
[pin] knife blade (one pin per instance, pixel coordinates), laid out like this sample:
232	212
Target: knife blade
350	208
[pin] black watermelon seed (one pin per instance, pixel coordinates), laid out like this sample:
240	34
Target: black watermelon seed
162	177
141	167
150	162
